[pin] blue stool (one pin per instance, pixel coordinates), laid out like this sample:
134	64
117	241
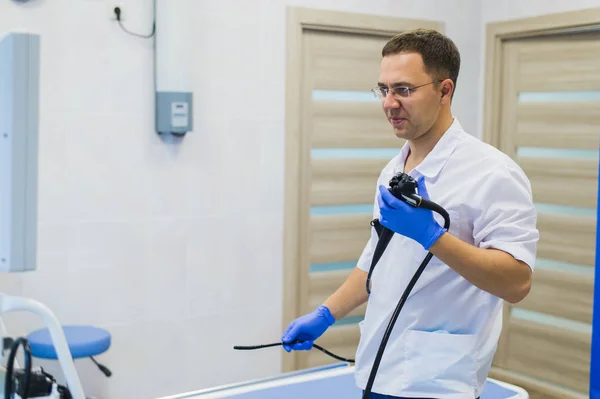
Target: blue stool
83	341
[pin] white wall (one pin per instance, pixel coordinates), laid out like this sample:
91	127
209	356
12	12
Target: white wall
176	248
496	11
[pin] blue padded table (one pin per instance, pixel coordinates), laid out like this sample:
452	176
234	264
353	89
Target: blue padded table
335	381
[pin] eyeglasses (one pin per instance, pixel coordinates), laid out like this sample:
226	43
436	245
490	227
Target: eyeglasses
398	92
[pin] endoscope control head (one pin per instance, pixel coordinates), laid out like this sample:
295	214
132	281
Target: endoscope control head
404	187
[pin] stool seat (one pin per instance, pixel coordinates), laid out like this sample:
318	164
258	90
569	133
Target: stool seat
83	341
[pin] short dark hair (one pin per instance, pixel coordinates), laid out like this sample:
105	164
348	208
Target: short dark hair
440	55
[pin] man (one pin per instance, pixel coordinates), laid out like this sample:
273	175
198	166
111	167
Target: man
444	340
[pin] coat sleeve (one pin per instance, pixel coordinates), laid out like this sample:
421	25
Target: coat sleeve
506	218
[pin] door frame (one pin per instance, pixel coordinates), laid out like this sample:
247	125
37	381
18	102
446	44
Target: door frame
498	32
297	145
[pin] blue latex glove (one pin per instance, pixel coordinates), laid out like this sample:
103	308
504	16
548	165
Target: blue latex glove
406	220
307	328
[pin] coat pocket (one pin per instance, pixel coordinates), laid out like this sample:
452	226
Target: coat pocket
440	362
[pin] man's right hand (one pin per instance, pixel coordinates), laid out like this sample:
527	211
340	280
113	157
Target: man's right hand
307	328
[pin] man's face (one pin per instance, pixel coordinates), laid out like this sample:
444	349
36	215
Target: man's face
414	114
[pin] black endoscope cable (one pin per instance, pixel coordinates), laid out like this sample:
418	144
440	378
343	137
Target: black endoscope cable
403	187
385	236
296	341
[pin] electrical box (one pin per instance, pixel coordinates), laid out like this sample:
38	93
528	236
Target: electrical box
173	112
19	98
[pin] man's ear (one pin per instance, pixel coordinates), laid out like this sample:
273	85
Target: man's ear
447	90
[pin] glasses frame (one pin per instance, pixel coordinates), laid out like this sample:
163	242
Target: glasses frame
398	91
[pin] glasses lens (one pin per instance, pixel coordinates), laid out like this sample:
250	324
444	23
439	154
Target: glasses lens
401	92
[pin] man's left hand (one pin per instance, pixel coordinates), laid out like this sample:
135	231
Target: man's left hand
407	220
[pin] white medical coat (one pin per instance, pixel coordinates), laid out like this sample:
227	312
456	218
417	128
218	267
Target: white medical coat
444	340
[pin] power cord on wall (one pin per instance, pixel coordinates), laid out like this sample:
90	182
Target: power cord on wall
117	11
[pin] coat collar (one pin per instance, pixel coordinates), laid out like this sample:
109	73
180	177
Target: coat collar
437	158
